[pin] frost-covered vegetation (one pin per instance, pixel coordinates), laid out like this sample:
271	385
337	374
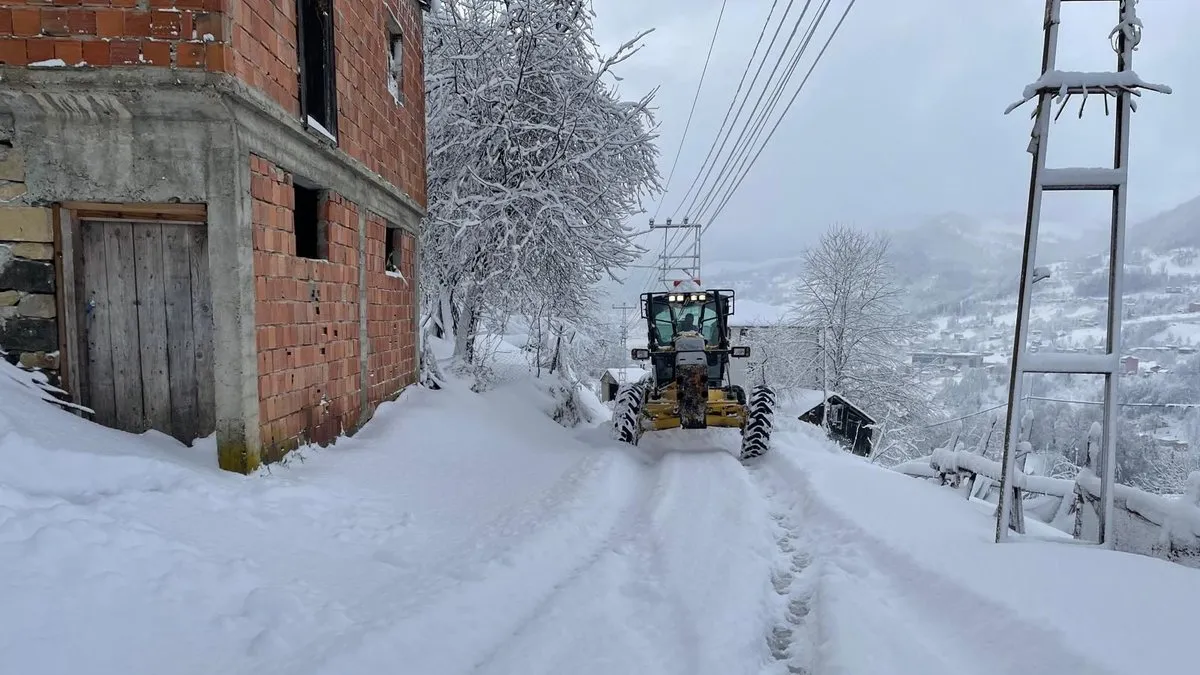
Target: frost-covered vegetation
535	165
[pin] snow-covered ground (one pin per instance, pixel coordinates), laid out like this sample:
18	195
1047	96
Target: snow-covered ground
468	533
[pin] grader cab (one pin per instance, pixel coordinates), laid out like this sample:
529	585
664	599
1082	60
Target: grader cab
689	351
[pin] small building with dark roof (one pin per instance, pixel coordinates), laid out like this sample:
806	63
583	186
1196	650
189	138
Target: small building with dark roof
849	425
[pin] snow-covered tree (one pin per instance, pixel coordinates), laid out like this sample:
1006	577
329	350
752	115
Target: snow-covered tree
535	163
849	291
783	357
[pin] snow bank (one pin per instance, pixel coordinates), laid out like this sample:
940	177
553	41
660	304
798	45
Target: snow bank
134	554
33	382
913	576
1146	523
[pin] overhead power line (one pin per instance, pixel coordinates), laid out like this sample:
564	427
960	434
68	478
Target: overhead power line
763	111
753	109
732	101
788	107
709	189
1062	400
695	98
707	185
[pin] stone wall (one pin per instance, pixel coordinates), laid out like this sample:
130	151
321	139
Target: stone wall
28	319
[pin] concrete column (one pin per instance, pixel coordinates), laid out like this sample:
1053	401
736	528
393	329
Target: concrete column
231	271
364	338
418	336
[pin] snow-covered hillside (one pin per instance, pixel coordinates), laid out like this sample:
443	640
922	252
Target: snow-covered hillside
953	259
462	532
938	260
1176	228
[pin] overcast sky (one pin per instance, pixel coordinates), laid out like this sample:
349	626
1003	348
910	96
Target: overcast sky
903	116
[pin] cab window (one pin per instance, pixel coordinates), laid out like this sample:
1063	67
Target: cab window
664	326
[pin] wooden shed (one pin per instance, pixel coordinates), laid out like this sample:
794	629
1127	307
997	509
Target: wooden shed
849	424
613	378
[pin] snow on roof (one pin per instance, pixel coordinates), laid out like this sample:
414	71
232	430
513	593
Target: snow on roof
754	313
807	399
631	374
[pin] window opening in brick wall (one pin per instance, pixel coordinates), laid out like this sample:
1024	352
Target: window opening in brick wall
392	247
395	83
318	97
310	227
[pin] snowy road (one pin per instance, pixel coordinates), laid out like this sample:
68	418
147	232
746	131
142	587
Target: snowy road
650	564
676	558
516	547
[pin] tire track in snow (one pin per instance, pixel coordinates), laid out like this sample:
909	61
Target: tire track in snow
438	619
877	610
683	588
613	614
469	616
718	551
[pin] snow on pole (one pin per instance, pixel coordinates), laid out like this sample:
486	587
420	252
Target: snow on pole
1052	87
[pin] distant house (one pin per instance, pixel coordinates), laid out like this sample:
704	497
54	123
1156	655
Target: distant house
613	378
957	359
1193	307
849	425
1129	365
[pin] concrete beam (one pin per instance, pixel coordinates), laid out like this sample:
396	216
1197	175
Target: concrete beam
157	107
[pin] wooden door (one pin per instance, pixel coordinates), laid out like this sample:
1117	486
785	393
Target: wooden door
146	326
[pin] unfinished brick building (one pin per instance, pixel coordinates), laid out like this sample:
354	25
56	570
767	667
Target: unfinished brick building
209	211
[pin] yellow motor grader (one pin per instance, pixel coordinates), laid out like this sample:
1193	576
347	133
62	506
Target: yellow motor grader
689	351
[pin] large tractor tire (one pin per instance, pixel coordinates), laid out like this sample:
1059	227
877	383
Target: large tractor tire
760	412
627	412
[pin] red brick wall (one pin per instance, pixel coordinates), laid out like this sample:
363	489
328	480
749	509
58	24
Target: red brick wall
391	361
256	41
263	42
115	32
307	349
388	138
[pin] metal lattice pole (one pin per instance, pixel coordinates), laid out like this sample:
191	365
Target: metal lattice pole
625	309
681	261
1055	85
